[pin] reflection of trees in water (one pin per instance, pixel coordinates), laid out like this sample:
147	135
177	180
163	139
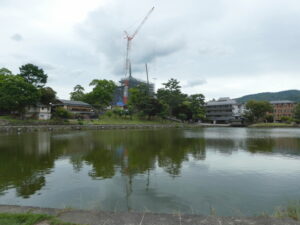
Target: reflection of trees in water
25	159
225	146
138	151
260	145
283	146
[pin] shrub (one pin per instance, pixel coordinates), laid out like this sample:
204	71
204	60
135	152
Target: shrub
62	113
286	119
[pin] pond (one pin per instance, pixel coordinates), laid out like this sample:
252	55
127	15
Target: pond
232	171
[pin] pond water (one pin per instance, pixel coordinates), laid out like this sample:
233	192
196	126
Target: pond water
234	171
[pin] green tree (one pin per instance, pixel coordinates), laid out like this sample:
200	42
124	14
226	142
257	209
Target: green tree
143	103
78	93
102	94
257	110
171	95
48	95
4	71
33	75
197	102
297	113
16	93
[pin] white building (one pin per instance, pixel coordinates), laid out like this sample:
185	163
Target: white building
40	112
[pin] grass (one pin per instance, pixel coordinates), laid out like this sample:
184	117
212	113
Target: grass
104	120
272	125
119	120
28	219
292	210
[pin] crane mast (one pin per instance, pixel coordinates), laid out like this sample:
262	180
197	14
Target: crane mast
129	38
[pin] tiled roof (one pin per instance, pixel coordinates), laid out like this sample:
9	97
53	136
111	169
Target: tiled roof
74	103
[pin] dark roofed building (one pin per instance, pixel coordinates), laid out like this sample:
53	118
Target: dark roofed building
76	107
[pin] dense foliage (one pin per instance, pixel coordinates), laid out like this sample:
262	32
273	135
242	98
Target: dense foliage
257	110
78	93
47	95
297	113
100	97
16	93
25	89
181	105
33	75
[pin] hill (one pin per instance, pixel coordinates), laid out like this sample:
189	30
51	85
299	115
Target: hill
292	95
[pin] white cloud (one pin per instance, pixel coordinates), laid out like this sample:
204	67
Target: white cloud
238	47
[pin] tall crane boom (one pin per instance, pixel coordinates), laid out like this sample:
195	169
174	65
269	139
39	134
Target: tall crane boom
131	37
127	61
142	23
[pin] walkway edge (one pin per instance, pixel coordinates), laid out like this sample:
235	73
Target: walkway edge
128	218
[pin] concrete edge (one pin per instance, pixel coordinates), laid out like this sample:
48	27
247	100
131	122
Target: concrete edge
91	217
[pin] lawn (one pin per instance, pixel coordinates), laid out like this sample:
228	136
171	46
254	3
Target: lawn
28	219
272	125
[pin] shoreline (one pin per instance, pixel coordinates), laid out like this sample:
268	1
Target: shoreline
34	128
74	127
93	217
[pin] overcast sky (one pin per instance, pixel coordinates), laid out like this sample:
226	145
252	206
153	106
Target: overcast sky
217	47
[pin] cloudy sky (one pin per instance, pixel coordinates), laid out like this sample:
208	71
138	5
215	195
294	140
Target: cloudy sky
216	47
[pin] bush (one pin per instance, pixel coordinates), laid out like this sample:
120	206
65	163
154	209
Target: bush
109	114
269	118
286	119
62	113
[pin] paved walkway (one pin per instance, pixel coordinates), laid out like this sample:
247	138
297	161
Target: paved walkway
109	218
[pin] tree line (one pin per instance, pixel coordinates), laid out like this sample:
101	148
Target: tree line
28	87
168	101
24	89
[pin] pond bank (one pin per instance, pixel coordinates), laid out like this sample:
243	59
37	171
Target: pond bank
32	128
126	218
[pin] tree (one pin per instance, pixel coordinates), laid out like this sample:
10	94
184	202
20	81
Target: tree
33	75
171	95
297	113
142	102
16	93
48	95
4	71
257	110
197	102
102	94
78	93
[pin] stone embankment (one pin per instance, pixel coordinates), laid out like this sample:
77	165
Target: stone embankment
31	128
128	218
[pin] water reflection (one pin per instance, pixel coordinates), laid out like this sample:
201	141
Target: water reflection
28	159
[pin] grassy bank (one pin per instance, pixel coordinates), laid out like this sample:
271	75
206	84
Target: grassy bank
292	210
103	120
273	125
29	219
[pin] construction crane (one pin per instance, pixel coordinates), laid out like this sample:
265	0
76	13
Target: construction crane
127	61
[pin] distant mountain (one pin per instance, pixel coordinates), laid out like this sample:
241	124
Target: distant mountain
292	95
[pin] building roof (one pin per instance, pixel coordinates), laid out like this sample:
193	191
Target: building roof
222	101
73	103
282	102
